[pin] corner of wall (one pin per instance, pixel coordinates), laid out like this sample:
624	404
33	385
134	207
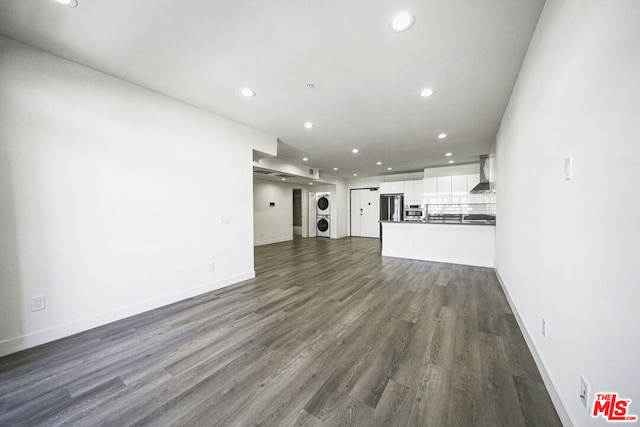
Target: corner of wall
549	383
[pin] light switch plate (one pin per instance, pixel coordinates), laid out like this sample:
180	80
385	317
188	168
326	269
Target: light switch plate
585	393
568	168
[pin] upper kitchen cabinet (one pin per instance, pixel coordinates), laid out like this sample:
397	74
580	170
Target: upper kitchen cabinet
430	190
413	192
444	190
393	187
472	181
459	192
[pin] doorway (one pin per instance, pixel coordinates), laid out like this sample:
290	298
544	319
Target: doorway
365	212
297	212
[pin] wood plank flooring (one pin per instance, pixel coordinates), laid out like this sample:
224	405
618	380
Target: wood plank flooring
328	333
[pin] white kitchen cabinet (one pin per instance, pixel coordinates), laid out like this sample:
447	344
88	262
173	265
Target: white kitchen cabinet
392	187
413	192
418	190
459	193
397	186
408	192
444	189
472	181
385	188
430	190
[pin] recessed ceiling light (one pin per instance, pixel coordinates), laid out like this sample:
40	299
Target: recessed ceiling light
305	159
335	169
402	21
379	163
442	136
389	169
354	151
451	161
427	91
355	174
283	179
311	183
308	125
70	3
448	154
247	92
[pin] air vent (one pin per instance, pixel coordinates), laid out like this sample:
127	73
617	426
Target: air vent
263	171
284	175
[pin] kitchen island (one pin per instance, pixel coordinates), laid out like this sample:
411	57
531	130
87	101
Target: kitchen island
468	243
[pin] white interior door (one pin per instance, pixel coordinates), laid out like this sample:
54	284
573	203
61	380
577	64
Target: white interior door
365	213
312	214
370	205
356	196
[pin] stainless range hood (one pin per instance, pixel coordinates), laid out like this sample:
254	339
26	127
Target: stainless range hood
484	186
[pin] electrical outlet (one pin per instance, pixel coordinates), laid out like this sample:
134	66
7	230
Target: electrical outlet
544	327
37	303
211	267
585	393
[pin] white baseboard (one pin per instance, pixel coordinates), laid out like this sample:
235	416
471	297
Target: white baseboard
53	333
270	241
557	400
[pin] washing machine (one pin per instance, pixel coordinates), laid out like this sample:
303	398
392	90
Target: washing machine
323	226
322	204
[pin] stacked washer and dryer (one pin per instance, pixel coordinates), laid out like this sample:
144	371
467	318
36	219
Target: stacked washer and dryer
323	217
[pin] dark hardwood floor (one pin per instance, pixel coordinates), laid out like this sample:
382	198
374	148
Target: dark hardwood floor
328	333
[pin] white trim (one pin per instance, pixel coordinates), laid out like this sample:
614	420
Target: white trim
558	402
270	241
61	331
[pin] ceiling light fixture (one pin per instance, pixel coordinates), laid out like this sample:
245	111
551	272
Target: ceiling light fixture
448	154
311	183
283	179
355	174
305	159
427	91
248	92
442	136
308	125
335	169
354	151
402	21
379	163
388	169
70	3
451	161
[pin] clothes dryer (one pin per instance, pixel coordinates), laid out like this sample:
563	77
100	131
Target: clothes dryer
323	226
323	205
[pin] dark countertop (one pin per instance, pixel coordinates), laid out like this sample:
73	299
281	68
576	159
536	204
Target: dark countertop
446	222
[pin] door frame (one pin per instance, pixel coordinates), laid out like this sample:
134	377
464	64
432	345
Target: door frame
372	188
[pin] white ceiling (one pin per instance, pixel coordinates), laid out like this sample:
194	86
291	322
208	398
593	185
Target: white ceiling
366	78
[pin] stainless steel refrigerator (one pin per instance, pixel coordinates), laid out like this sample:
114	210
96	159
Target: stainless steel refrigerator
391	208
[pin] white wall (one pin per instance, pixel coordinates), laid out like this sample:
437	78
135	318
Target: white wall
111	198
272	224
568	251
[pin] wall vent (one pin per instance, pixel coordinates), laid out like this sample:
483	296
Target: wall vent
263	171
